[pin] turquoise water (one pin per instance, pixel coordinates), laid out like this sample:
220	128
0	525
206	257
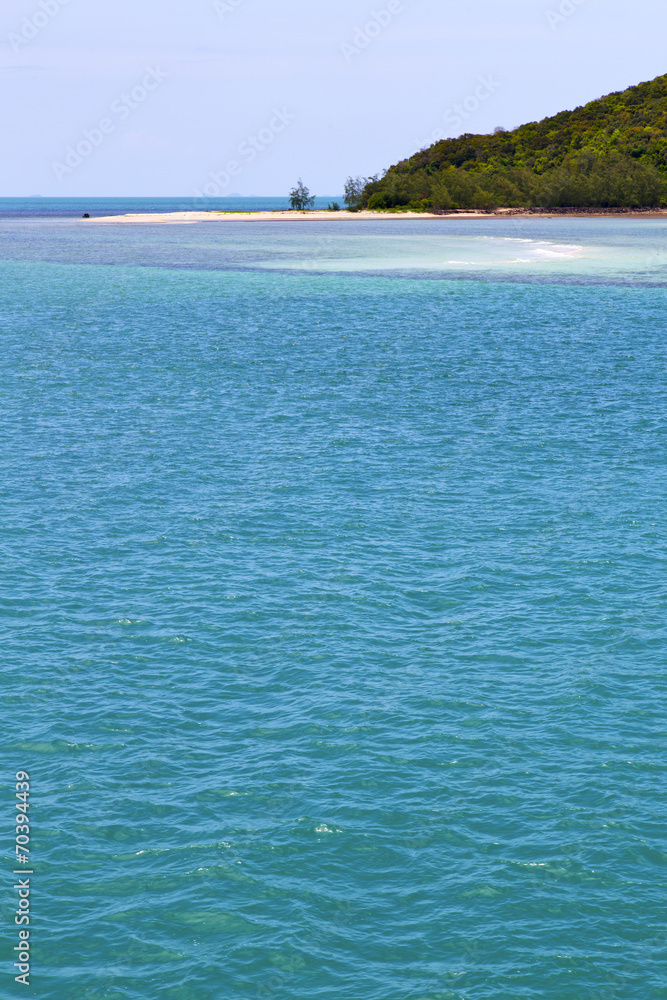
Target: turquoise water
333	604
59	208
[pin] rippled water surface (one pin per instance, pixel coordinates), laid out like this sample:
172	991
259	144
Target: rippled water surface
333	606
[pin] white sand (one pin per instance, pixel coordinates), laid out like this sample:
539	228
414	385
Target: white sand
187	218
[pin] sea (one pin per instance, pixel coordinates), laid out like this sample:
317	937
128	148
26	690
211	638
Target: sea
333	607
67	208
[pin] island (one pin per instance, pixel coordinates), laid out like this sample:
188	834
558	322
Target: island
608	154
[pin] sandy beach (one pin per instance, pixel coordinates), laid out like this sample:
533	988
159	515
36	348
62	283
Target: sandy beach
189	218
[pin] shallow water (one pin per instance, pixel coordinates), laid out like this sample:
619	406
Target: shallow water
334	607
580	251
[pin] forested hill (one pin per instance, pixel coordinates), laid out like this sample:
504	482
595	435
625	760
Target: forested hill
611	152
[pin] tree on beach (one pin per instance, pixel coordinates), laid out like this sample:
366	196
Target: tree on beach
300	198
354	192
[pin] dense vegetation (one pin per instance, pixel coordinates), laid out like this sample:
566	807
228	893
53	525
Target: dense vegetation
609	153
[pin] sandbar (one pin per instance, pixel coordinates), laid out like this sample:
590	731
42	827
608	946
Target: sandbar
189	218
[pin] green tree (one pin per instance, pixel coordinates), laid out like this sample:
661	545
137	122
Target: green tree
300	198
610	153
440	196
380	200
354	192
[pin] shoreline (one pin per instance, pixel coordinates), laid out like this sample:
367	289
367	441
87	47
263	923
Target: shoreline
190	218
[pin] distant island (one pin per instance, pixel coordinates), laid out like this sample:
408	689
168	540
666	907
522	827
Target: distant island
611	153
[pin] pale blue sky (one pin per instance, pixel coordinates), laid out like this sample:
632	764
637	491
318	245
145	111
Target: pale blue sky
287	89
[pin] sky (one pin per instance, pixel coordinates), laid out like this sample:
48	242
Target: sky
210	98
